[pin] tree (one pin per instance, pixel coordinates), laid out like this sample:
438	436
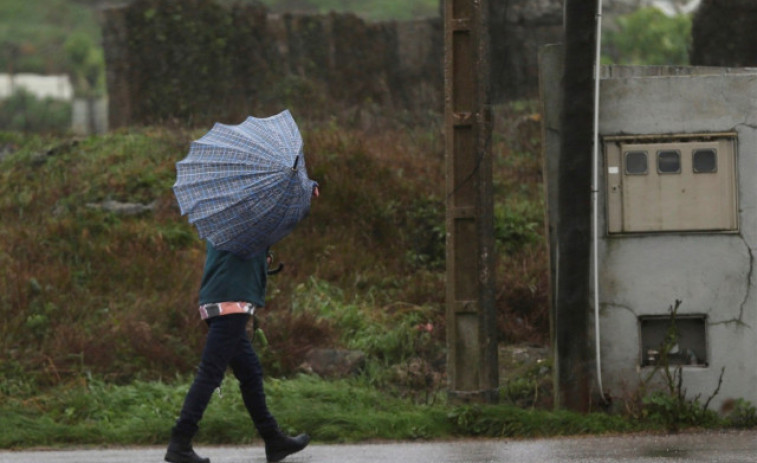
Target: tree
648	37
87	71
86	65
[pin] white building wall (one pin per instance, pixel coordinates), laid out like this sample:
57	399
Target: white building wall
711	273
643	274
43	86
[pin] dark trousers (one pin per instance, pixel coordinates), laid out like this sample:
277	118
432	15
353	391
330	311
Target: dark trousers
227	345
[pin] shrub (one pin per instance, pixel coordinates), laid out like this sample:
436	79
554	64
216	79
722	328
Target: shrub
649	37
24	112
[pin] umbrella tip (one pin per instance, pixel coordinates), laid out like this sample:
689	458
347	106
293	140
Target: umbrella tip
296	160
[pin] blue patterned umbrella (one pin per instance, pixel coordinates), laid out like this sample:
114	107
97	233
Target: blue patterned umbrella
245	186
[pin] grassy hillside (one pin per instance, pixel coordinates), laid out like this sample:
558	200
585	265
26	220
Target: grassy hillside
85	291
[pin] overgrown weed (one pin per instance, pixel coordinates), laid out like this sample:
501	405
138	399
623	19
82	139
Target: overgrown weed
669	404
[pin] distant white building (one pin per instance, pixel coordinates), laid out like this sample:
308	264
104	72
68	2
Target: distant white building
43	86
674	8
668	7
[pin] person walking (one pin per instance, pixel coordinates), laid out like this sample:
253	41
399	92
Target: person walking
245	187
232	289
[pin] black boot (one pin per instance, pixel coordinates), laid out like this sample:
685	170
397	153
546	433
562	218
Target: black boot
279	445
180	451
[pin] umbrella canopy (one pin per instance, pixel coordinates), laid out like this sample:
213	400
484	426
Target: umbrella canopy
245	186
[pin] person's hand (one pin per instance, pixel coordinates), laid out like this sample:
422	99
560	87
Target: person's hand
316	193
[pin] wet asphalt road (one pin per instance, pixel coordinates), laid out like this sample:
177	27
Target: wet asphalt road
711	447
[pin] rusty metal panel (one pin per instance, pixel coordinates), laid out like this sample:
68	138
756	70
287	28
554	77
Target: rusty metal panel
463	168
466	353
463	80
465	273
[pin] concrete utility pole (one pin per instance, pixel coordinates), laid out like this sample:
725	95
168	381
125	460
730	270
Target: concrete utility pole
573	360
471	317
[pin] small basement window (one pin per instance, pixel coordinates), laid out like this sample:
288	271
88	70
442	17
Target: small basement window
689	348
705	161
636	162
669	162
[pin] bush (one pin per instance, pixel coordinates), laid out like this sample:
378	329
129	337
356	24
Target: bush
648	37
24	112
740	413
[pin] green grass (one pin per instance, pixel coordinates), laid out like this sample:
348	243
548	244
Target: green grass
95	413
92	412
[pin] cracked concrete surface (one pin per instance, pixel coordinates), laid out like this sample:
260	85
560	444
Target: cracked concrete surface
749	274
712	273
641	275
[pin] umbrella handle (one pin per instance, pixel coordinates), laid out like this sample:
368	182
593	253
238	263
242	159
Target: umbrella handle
296	160
278	269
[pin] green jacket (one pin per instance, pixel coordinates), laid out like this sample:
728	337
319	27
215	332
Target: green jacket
229	278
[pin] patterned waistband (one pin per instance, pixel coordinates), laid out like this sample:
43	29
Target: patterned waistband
225	308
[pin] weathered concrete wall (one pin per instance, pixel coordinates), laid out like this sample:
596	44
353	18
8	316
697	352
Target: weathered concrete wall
188	61
643	274
89	116
195	61
391	64
518	28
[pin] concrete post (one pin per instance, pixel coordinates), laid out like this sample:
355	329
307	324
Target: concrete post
471	329
573	360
